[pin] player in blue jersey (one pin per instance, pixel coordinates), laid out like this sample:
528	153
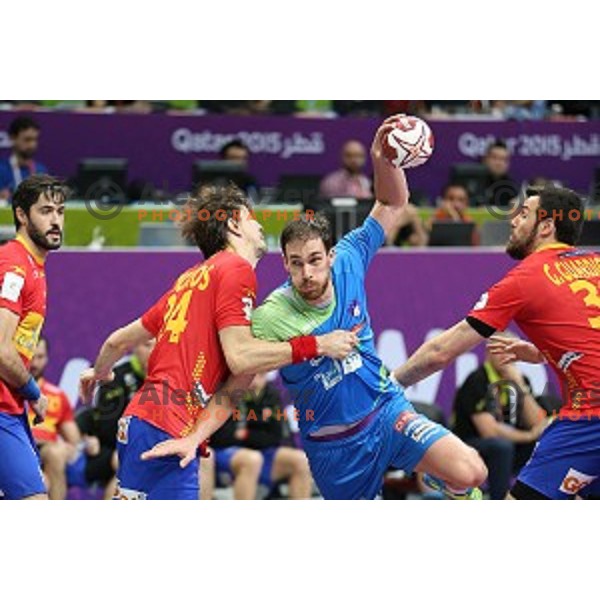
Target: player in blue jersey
355	422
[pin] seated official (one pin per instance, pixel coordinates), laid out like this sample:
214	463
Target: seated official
496	413
94	462
249	447
101	421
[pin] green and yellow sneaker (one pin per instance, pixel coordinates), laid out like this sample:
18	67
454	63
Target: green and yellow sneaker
440	486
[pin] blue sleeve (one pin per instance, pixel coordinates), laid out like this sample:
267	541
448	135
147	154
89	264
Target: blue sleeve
40	168
362	243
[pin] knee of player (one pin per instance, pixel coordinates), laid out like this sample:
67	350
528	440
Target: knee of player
251	460
54	456
472	471
300	463
478	470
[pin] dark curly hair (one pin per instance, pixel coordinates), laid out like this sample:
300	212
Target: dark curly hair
207	215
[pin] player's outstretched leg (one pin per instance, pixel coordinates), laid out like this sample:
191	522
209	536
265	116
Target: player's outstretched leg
453	468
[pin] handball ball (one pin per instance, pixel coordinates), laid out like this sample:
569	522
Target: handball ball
409	144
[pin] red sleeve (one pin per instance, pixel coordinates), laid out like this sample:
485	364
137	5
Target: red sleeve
153	318
501	303
235	296
12	285
67	411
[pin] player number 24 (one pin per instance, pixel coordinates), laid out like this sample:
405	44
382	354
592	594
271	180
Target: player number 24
175	317
592	298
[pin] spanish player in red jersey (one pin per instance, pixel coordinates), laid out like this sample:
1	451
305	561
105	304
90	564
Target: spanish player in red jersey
202	331
38	210
553	295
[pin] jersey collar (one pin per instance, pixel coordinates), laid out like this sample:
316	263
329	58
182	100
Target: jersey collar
31	250
553	246
327	309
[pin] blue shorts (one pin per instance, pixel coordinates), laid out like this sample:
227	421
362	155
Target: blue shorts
565	462
224	456
20	472
156	479
353	467
76	471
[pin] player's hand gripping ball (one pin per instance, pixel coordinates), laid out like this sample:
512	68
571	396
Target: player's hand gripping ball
409	144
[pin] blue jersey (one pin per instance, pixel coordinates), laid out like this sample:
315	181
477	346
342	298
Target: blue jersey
327	391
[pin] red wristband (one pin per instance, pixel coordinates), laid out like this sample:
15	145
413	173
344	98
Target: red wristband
203	449
304	348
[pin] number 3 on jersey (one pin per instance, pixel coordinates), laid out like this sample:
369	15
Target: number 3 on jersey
175	317
592	298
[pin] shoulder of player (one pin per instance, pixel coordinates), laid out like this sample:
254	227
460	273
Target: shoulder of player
227	259
351	242
226	262
344	256
529	267
272	316
13	257
280	297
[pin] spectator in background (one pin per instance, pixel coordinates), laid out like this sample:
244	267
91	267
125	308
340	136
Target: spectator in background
495	413
406	107
500	188
259	107
541	182
249	446
454	206
243	466
24	134
237	152
572	109
349	181
57	437
178	106
520	110
92	464
314	108
239	107
409	230
358	108
131	106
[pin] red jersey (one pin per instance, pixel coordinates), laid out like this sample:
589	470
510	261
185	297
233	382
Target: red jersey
187	364
23	292
553	295
59	411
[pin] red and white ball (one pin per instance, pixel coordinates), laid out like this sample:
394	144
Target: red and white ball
409	144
